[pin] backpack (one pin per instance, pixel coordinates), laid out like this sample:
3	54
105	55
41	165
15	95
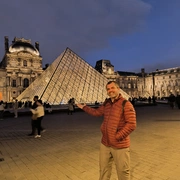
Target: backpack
123	104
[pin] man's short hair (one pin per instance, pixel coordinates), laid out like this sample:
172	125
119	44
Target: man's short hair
112	82
36	97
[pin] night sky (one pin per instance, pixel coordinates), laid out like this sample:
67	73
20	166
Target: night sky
132	34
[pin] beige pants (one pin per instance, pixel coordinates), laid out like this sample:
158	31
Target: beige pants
121	158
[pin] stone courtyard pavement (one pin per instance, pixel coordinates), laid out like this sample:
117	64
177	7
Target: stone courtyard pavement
69	149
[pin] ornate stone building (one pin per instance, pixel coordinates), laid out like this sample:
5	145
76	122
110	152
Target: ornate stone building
107	69
128	82
160	83
20	66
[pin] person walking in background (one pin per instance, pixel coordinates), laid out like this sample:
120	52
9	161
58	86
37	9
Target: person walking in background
119	121
73	103
1	110
70	107
172	100
178	101
34	106
39	113
15	107
149	99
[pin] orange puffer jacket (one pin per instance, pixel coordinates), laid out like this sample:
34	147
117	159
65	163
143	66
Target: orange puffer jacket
117	124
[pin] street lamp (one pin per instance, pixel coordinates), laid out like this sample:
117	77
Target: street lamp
153	79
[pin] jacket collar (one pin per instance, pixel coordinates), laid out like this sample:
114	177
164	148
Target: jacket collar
117	99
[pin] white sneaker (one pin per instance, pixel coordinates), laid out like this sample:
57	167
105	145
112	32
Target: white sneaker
37	136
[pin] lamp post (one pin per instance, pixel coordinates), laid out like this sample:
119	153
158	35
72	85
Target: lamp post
153	80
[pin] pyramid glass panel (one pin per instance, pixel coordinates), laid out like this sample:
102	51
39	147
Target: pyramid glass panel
69	76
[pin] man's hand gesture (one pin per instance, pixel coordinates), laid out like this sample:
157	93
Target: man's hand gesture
81	105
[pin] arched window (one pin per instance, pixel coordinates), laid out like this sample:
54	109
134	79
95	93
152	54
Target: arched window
13	83
26	83
25	63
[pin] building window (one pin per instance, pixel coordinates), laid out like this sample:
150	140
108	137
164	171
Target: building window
129	85
26	83
13	83
25	63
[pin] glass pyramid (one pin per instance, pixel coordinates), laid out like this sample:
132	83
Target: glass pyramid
69	76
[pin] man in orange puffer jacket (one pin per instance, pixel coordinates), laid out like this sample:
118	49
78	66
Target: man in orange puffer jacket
119	121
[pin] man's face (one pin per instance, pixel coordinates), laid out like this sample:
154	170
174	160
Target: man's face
112	90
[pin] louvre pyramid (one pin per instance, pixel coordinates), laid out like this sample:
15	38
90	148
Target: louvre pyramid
69	76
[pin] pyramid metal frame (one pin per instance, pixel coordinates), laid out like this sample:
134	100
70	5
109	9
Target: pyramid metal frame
69	76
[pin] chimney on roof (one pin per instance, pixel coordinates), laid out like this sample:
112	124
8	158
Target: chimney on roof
14	40
6	44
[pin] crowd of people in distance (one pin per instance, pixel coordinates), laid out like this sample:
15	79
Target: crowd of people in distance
172	100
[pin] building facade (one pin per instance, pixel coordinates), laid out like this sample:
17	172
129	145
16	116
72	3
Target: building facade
20	66
162	83
159	83
107	69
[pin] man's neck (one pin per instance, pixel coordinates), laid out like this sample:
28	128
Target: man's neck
112	99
